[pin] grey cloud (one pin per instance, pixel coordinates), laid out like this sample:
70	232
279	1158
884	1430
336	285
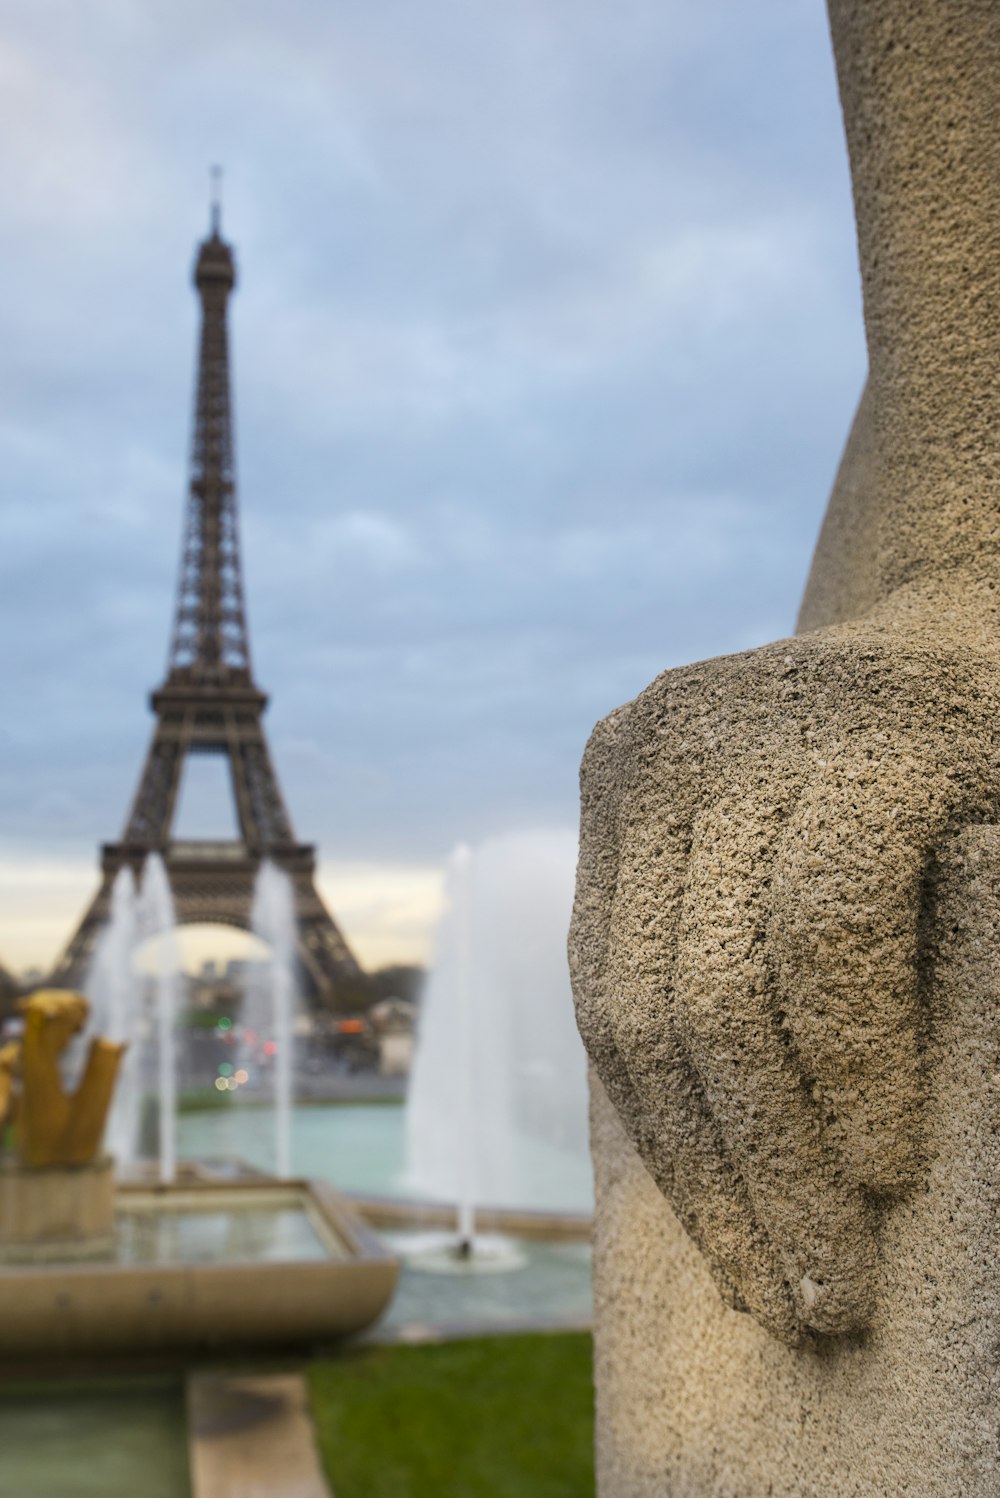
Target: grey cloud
546	340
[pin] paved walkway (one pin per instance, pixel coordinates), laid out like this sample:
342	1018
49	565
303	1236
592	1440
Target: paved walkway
252	1437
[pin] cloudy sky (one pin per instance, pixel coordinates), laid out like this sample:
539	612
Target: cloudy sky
546	342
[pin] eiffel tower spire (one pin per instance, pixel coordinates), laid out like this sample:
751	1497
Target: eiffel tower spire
210	638
210	704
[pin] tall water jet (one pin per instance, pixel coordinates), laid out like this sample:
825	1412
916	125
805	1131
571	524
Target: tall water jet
461	904
273	921
157	919
514	1061
115	992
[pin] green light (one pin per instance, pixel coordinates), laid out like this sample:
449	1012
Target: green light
225	1024
225	1070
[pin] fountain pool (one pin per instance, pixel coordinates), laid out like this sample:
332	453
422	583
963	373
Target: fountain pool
548	1284
76	1440
499	1066
362	1148
204	1263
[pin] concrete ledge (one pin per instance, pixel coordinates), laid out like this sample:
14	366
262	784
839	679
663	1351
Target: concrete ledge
252	1437
520	1222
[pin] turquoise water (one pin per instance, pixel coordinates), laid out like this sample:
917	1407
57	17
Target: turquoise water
535	1282
105	1441
234	1235
362	1147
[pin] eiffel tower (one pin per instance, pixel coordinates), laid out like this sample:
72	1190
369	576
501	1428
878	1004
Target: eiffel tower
210	704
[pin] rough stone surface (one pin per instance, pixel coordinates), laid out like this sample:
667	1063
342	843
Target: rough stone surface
696	1400
773	848
56	1211
748	934
918	491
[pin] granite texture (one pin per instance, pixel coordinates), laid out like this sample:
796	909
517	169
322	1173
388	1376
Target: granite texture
696	1401
785	929
756	876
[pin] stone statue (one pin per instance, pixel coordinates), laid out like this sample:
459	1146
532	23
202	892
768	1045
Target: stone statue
10	1067
786	920
51	1126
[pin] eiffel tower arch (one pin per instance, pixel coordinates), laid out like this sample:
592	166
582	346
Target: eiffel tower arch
209	703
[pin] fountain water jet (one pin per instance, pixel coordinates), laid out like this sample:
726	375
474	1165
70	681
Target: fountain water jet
499	1077
156	919
461	883
116	994
273	921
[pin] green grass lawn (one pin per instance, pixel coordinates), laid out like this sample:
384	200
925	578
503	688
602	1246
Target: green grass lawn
492	1417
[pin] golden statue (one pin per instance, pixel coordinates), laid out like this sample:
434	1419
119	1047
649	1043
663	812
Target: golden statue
10	1071
52	1126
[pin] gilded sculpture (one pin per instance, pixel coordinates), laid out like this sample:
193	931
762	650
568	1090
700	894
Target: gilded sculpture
51	1125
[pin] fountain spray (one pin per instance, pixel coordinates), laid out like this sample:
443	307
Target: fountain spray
156	918
273	921
462	874
114	989
497	1104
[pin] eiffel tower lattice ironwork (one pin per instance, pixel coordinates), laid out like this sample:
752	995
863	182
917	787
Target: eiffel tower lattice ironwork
210	704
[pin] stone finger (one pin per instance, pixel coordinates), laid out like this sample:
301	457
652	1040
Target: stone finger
621	950
846	909
814	1214
648	1074
659	1097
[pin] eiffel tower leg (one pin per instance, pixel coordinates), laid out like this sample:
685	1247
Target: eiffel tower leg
147	828
263	816
153	808
332	969
73	966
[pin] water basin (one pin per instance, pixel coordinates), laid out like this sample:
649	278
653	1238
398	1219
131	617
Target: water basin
150	1231
105	1440
238	1263
362	1148
532	1282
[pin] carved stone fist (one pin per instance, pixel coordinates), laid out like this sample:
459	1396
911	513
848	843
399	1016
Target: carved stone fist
752	935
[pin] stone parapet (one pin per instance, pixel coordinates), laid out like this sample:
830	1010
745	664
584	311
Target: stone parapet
56	1212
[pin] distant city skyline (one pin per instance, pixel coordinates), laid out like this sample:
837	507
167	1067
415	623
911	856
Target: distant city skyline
546	341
